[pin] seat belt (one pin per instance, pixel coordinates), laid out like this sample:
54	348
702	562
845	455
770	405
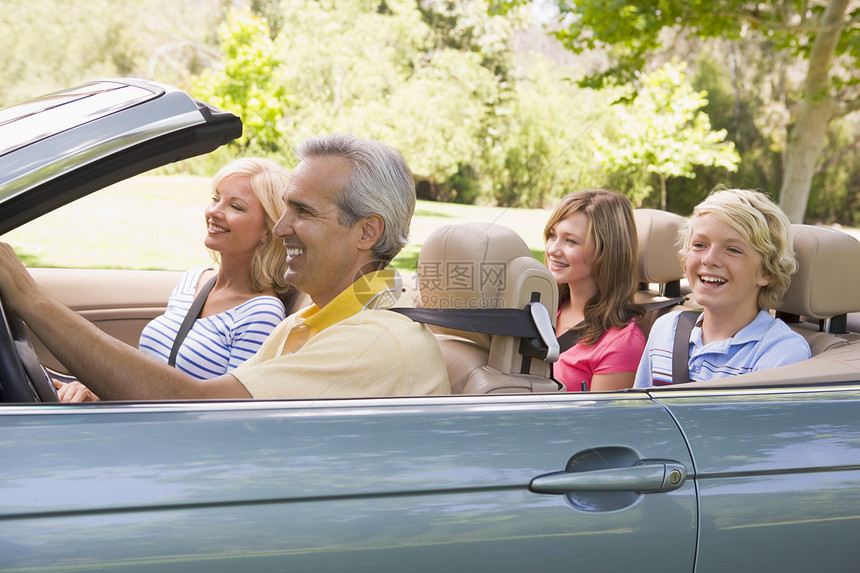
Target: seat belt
190	317
681	347
531	323
661	304
570	338
513	322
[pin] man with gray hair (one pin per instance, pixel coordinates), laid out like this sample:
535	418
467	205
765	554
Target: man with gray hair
348	206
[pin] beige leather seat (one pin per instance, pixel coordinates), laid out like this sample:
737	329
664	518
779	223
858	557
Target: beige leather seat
484	265
659	264
660	270
825	288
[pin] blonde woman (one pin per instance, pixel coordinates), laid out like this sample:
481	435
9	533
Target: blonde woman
244	305
591	250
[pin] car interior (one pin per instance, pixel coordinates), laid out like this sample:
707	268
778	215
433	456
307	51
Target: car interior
818	304
119	301
486	265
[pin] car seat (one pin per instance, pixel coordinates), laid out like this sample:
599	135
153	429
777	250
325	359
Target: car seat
660	270
482	266
825	288
659	265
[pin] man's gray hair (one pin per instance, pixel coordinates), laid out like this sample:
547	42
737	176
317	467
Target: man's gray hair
380	182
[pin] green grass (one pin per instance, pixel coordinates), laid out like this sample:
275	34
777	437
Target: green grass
152	222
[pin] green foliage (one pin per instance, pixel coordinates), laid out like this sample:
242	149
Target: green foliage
462	186
467	25
242	84
32	58
53	44
820	37
541	147
755	139
635	29
479	114
446	102
665	133
391	76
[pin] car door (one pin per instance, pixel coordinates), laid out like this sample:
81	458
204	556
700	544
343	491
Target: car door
418	484
119	302
778	472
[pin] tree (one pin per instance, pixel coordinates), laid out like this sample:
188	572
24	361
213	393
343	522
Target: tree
54	44
823	33
542	149
378	70
663	131
242	82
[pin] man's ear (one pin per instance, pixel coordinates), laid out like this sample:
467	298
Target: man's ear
371	228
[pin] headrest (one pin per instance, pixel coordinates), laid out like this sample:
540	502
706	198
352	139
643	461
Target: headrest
466	265
827	282
484	265
658	245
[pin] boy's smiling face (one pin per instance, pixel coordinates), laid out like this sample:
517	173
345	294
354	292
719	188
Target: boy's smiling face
724	271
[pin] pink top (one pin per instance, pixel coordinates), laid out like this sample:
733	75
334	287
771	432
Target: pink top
618	350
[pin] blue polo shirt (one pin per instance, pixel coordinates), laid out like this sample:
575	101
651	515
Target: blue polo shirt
766	342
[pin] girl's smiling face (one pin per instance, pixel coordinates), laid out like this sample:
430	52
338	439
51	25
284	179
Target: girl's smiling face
569	251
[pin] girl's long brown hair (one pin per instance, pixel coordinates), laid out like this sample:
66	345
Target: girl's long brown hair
614	264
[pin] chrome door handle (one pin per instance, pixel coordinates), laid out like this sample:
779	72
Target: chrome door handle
646	476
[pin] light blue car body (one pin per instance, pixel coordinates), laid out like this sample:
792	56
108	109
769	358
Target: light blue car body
771	482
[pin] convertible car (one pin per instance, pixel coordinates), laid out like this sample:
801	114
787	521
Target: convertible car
759	472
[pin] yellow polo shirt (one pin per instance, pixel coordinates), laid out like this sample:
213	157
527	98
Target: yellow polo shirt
350	348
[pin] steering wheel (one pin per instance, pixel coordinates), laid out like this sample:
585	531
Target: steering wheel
22	377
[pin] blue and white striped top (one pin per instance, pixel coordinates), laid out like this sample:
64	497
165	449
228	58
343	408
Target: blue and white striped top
215	344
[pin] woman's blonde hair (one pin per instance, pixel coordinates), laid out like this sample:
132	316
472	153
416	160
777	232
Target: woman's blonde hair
763	225
614	264
268	181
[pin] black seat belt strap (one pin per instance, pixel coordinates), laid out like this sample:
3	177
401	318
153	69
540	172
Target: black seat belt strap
532	324
190	317
681	346
570	338
501	321
505	321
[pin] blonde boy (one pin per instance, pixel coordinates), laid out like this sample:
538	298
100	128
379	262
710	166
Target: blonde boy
738	258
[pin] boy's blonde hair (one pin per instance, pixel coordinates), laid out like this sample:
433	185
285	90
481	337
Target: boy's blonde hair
763	225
